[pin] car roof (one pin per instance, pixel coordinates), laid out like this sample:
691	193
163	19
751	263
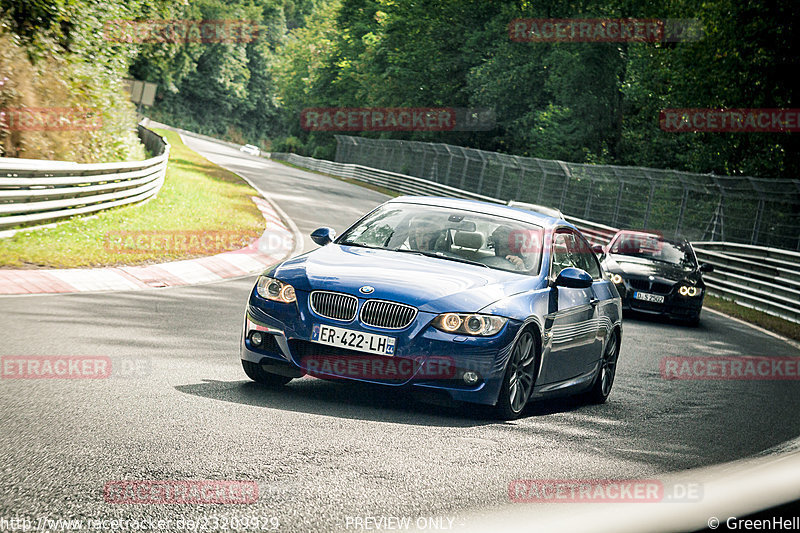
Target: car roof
536	208
487	208
659	235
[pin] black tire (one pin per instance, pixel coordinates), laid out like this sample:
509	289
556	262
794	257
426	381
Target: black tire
608	370
259	375
519	378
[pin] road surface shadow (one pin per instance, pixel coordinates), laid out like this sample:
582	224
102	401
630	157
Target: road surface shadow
364	401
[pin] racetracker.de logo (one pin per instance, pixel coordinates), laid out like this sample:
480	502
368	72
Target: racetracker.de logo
380	367
181	31
731	368
603	491
396	119
74	367
190	242
49	119
605	30
55	367
744	120
181	492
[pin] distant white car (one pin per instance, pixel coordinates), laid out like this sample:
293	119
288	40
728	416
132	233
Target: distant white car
250	149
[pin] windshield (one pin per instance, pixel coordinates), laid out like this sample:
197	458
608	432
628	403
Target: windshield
655	248
451	234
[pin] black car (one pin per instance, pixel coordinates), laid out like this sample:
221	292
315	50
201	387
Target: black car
656	275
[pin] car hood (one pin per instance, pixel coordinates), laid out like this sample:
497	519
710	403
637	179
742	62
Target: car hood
639	266
428	283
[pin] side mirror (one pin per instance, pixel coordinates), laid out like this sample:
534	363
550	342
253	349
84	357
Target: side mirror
598	249
574	278
323	236
706	267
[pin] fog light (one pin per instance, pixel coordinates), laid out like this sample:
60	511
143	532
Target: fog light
256	338
470	377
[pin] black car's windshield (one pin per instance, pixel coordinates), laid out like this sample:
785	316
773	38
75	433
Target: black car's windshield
655	248
445	233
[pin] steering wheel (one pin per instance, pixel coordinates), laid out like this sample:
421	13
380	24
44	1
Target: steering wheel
498	262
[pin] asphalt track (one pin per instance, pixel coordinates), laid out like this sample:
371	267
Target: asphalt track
324	453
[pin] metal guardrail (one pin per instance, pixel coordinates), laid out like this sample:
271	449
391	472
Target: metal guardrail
34	190
757	211
766	279
154	124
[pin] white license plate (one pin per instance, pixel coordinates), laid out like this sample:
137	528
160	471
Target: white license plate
647	297
353	340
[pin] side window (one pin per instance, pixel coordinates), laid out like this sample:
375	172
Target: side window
585	258
563	242
572	250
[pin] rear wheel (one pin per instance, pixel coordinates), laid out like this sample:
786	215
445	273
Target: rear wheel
608	369
519	378
259	375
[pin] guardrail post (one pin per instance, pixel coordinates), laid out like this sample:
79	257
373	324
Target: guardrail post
615	218
649	201
684	200
500	181
588	206
757	222
541	183
466	164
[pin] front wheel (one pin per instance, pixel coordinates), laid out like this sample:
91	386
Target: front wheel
259	375
608	369
519	378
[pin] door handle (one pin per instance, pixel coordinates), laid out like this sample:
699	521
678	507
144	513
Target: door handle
594	301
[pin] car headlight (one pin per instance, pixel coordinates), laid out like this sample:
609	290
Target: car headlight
616	279
686	290
480	325
275	290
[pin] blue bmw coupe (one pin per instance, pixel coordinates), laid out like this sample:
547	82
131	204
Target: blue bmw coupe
487	303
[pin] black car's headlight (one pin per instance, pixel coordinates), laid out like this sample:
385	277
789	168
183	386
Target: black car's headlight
616	279
275	290
688	290
469	324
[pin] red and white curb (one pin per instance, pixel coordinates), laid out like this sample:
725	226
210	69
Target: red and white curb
276	243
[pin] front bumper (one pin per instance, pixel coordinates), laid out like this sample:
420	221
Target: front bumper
424	358
675	306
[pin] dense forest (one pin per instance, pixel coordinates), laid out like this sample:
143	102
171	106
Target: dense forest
595	102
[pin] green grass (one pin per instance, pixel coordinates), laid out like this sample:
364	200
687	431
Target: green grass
769	322
198	198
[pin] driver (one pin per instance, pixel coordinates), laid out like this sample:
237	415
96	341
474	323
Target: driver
425	234
501	238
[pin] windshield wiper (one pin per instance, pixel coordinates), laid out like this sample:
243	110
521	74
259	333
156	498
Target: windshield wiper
440	255
359	245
